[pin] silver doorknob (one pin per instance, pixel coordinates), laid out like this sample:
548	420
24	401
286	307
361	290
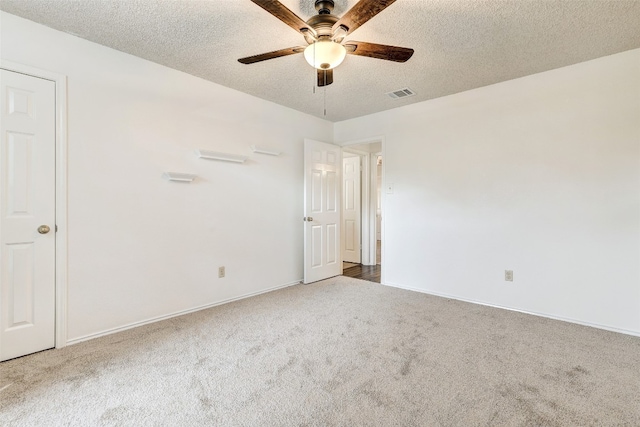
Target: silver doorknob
308	218
43	229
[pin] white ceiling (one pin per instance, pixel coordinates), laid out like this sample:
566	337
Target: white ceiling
459	44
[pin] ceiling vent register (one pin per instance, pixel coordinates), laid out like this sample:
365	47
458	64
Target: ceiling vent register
401	93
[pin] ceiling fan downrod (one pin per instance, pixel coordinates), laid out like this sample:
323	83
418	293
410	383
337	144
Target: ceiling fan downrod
324	7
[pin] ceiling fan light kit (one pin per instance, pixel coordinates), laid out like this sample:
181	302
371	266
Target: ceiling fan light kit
325	54
324	34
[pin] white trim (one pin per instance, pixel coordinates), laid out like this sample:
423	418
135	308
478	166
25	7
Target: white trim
354	151
369	140
369	212
176	314
365	194
533	313
61	189
383	209
371	232
367	257
374	207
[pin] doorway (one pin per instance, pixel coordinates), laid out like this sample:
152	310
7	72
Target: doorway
362	211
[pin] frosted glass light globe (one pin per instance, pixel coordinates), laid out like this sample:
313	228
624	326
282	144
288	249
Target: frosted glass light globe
325	54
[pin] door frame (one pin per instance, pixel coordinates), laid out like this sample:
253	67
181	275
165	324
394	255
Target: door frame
365	189
369	239
61	150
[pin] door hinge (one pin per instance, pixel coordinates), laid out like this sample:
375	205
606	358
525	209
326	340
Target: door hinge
56	228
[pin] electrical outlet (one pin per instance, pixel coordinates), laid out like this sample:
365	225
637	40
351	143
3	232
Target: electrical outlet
508	275
221	272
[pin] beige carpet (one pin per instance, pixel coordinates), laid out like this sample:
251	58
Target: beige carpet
342	352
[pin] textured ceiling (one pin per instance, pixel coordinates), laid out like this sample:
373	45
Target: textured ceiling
459	44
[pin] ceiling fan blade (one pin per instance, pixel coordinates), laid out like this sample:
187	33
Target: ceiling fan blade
284	14
379	51
271	55
325	77
360	13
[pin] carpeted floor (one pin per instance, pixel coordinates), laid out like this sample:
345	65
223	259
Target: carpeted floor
341	352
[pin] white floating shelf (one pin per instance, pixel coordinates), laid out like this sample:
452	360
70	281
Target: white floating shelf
177	176
212	155
263	150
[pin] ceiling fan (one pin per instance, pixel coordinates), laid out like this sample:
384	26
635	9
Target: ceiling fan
324	34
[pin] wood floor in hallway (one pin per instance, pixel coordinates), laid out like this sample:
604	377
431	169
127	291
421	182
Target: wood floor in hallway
364	272
371	273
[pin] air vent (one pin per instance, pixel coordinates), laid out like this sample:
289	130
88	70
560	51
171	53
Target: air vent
401	93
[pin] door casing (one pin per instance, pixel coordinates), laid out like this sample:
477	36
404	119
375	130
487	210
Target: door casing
369	238
61	282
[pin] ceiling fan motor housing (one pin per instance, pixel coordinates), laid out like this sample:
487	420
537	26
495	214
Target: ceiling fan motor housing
323	24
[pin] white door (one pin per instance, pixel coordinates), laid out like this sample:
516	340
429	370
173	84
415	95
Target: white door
351	209
322	184
27	214
379	198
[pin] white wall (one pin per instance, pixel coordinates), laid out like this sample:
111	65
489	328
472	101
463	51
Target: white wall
139	246
540	175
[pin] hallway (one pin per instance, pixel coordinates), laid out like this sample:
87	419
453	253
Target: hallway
371	273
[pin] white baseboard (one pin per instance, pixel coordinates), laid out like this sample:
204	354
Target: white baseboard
175	314
548	316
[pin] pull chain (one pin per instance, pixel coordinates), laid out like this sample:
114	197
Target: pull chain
324	92
325	101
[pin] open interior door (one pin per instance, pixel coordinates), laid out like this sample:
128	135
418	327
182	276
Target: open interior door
351	210
322	210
